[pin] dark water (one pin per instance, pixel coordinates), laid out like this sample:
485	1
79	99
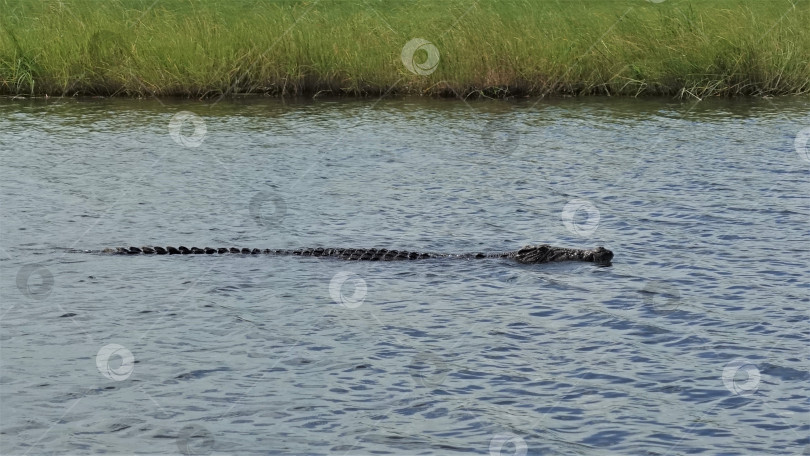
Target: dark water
695	341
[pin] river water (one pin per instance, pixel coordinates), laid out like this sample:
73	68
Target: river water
695	341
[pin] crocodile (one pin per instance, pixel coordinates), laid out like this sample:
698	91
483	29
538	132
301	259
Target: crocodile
530	254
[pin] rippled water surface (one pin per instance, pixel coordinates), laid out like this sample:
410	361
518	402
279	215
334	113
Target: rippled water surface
695	340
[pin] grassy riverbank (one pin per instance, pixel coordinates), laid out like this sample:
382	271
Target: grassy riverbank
496	48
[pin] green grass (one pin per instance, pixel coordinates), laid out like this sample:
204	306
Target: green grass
200	48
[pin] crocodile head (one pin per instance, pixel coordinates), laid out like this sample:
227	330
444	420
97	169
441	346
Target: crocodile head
544	253
600	255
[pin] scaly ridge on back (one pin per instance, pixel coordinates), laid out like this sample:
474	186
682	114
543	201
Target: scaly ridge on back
530	254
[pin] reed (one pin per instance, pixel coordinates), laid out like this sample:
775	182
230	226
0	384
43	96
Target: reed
197	48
